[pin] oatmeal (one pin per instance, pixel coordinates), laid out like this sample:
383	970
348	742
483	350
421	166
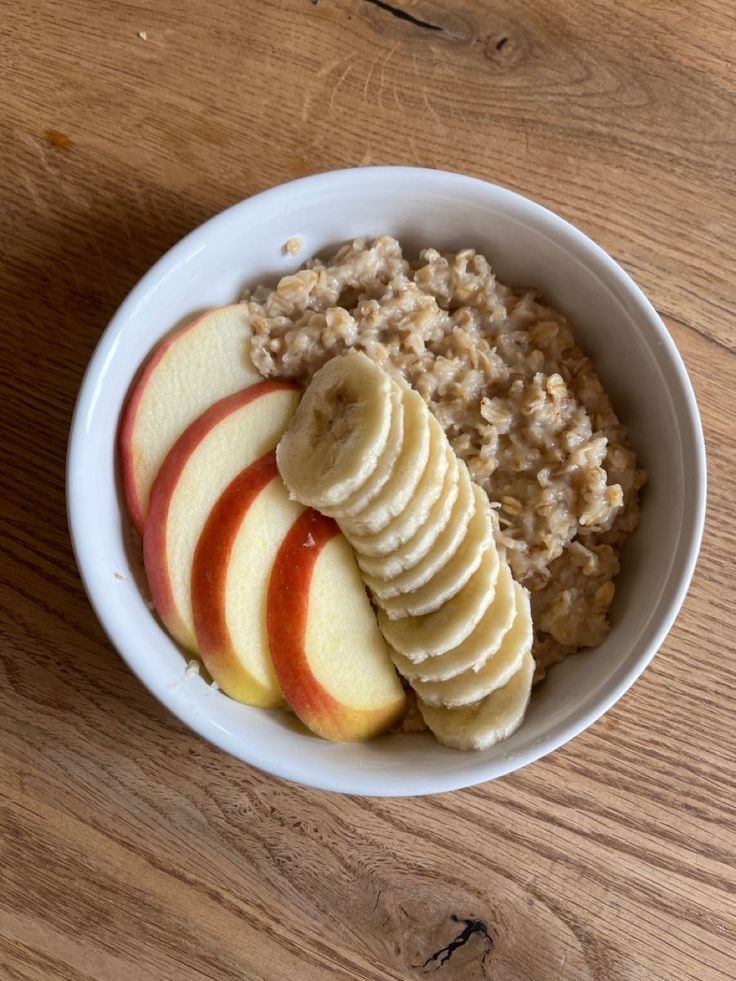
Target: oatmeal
520	402
293	245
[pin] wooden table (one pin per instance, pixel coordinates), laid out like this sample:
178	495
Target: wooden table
130	849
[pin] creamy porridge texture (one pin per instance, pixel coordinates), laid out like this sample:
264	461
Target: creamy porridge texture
520	403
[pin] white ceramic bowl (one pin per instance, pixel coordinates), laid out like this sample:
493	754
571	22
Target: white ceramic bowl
527	244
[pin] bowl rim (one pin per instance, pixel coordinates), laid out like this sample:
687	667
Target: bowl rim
691	532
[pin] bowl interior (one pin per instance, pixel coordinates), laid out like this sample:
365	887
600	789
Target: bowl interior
612	321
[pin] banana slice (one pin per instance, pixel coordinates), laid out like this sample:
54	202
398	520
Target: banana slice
457	570
405	476
476	649
471	686
435	633
338	432
444	546
414	550
431	505
361	498
484	723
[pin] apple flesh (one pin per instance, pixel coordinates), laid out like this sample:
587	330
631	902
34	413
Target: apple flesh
331	661
209	454
230	573
192	369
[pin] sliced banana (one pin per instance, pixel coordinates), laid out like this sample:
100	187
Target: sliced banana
431	504
455	573
361	498
420	543
471	686
440	631
476	649
484	723
366	450
405	476
446	543
338	432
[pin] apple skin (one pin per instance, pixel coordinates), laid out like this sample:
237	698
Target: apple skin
127	427
209	579
287	611
154	536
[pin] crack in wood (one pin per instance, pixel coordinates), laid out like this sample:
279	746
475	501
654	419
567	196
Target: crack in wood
404	15
471	928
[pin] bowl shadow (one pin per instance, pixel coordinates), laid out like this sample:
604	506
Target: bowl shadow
83	261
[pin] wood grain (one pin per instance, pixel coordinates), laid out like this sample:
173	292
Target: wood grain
129	848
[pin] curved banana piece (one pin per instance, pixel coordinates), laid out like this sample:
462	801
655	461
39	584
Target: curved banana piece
484	723
338	432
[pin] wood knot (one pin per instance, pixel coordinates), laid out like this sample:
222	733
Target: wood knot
505	50
57	139
471	928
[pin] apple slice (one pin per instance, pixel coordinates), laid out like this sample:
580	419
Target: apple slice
193	368
211	452
230	574
330	659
